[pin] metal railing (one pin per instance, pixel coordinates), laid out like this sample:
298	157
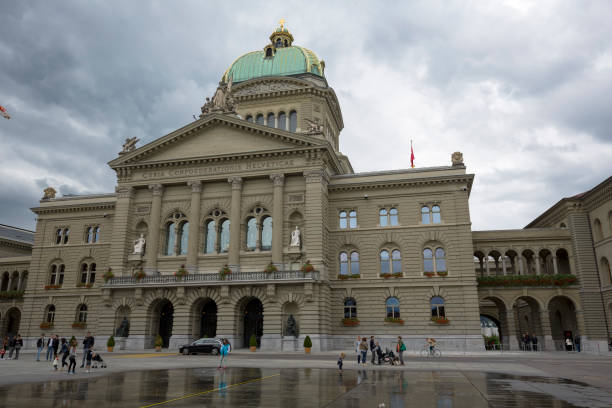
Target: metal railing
201	278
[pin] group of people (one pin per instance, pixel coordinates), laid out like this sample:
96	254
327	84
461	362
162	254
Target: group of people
529	343
66	350
11	345
362	346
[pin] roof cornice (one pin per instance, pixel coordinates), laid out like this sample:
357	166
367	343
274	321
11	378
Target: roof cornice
374	184
73	208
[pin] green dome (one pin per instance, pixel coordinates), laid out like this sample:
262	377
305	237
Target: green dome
286	61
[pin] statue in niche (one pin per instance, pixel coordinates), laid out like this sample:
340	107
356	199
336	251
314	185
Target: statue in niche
295	237
124	328
291	328
139	245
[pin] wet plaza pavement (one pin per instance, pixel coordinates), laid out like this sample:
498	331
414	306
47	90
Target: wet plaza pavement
256	387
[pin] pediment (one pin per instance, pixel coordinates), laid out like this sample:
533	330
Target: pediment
215	135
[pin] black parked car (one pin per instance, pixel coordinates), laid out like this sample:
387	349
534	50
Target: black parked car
205	345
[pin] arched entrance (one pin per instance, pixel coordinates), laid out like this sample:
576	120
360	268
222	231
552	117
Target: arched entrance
563	324
162	319
494	320
13	319
253	321
527	320
208	319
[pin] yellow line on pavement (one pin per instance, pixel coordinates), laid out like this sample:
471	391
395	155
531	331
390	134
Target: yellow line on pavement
208	391
145	355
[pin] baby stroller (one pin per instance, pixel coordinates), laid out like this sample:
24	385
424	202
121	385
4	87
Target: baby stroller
97	359
389	357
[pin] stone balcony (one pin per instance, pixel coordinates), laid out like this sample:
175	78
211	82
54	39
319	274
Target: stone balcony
236	278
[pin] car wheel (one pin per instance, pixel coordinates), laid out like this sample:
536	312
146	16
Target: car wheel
214	351
186	352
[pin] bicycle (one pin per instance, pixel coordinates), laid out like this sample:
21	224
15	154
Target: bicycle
427	352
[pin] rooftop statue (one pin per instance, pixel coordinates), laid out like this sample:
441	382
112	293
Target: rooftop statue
130	144
49	193
222	101
457	159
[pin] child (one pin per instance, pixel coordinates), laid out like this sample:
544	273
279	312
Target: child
55	363
342	355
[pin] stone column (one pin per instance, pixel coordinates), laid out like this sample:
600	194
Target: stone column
10	282
234	245
152	248
277	219
194	226
503	258
516	265
19	281
536	259
119	245
555	265
548	342
511	323
487	264
521	264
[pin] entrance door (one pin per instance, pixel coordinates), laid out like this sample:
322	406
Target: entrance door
208	320
253	321
166	319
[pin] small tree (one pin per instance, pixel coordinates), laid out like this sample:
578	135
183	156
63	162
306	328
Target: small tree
110	342
307	342
159	341
253	341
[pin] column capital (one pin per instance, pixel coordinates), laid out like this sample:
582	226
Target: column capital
236	182
157	189
278	179
196	186
124	191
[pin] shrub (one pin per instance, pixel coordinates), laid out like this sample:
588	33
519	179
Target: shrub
224	271
110	342
253	341
271	268
108	275
307	342
182	272
158	341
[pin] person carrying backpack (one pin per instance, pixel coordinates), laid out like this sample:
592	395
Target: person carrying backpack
401	347
224	352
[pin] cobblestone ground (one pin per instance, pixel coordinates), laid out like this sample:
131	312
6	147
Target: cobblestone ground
295	380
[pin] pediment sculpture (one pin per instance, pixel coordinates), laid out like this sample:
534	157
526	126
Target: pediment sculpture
222	101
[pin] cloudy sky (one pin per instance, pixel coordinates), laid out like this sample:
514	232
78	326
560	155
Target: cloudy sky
522	88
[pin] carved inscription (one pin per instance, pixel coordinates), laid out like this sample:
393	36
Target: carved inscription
219	169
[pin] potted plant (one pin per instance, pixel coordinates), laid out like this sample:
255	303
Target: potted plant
224	271
428	274
159	342
271	268
253	342
350	321
139	274
110	344
442	273
181	273
108	275
307	267
307	344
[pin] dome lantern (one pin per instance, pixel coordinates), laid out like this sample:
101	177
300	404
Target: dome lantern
281	37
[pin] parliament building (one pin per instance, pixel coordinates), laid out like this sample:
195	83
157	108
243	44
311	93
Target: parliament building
250	221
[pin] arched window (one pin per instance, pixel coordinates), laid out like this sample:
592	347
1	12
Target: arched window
354	263
60	274
384	262
282	121
396	261
58	236
428	263
343	220
96	236
92	273
259	119
279	43
440	260
56	276
252	234
350	308
269	52
88	273
225	235
271	120
211	237
393	308
393	217
50	314
384	219
266	234
343	263
66	234
82	313
170	238
424	215
84	271
88	235
605	268
598	230
352	219
183	238
293	121
249	118
437	307
435	214
52	275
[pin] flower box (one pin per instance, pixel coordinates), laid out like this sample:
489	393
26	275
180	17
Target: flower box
138	275
79	325
307	267
108	275
442	273
12	294
429	274
527	280
345	277
350	321
84	285
50	287
271	268
440	320
46	325
181	273
391	275
395	320
223	272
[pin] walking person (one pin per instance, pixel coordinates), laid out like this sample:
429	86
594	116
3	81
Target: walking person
11	346
224	352
577	343
363	347
55	344
88	343
569	346
40	345
379	353
50	348
534	341
89	356
64	350
401	347
72	358
357	343
18	345
340	359
372	348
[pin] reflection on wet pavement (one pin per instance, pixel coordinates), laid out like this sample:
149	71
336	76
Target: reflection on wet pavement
254	387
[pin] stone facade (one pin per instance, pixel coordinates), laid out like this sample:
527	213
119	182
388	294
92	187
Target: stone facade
217	201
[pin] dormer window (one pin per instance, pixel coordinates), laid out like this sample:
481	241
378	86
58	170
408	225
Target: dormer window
279	43
269	52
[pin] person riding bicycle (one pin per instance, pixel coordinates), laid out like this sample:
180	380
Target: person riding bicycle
432	344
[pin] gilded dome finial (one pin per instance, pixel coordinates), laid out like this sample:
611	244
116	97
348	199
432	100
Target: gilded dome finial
281	22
